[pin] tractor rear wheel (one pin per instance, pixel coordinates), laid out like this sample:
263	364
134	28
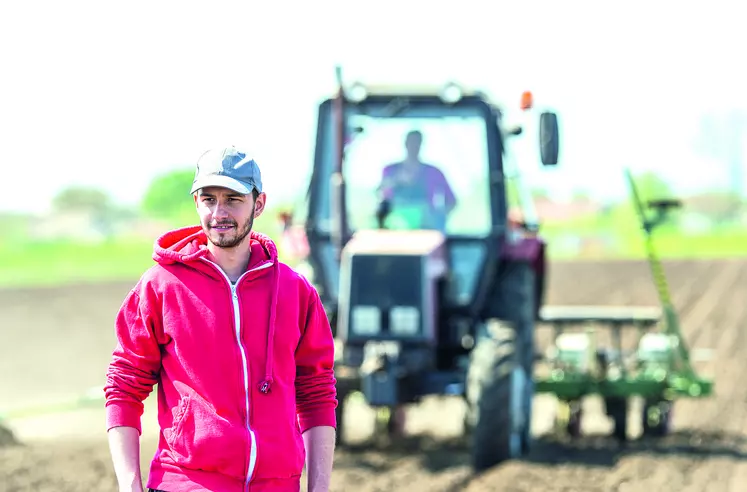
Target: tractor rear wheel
514	301
344	390
495	388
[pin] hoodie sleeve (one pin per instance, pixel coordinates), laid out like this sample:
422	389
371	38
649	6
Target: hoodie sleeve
134	366
316	394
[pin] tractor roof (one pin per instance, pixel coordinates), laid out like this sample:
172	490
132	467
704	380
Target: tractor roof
414	89
426	90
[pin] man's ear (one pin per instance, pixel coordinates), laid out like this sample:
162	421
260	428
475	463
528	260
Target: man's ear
259	204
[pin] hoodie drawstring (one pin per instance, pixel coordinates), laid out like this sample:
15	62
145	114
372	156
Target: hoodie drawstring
266	384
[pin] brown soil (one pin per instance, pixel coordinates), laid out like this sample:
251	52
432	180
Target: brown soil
56	342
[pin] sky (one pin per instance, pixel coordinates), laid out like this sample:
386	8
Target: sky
112	94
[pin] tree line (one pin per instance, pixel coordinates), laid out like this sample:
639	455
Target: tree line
165	199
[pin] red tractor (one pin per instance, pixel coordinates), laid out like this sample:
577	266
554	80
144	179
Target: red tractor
430	288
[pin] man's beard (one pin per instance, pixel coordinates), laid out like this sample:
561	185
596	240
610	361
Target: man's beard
241	233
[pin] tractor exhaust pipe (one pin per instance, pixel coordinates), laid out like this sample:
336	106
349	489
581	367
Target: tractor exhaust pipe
337	185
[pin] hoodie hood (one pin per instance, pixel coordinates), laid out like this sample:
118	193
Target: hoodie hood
188	246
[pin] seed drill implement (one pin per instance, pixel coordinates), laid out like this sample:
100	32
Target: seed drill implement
658	370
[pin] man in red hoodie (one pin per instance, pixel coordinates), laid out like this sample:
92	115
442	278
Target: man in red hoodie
239	345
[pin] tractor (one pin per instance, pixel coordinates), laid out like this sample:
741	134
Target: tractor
429	291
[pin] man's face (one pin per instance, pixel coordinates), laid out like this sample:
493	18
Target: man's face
412	144
227	217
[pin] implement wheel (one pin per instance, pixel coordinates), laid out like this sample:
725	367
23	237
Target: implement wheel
617	409
569	417
395	423
390	424
657	418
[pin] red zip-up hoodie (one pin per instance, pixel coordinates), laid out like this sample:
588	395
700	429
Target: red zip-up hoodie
242	370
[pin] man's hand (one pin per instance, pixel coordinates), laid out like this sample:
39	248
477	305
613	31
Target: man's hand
320	450
124	444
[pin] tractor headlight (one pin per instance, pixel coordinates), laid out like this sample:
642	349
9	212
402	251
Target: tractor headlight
366	320
404	321
357	92
451	93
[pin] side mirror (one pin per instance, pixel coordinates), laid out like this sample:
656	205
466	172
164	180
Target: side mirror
549	138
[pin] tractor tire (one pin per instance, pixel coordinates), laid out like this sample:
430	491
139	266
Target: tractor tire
342	397
514	302
494	391
573	429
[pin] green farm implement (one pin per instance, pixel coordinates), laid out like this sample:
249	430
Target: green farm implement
658	369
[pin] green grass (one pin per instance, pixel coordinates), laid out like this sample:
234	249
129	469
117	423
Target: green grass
624	239
676	245
25	263
53	263
666	245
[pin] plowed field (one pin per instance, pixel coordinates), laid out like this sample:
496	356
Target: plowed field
56	342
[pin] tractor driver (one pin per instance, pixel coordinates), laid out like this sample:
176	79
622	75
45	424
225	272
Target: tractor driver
413	183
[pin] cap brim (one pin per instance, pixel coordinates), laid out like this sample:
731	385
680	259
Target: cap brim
223	182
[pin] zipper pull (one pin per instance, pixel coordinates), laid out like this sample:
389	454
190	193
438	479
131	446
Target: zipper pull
233	291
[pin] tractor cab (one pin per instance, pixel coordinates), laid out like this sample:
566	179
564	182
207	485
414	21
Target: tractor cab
409	159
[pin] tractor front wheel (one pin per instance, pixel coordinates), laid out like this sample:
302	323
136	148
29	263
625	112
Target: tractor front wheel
495	389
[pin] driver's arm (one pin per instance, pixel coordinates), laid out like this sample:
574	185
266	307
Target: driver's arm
449	198
385	190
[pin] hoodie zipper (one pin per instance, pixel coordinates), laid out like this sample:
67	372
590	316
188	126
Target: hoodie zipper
244	362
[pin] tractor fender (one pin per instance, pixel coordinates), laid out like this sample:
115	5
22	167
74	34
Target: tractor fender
532	250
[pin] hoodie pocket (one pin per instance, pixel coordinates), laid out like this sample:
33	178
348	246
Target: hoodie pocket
200	438
281	450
